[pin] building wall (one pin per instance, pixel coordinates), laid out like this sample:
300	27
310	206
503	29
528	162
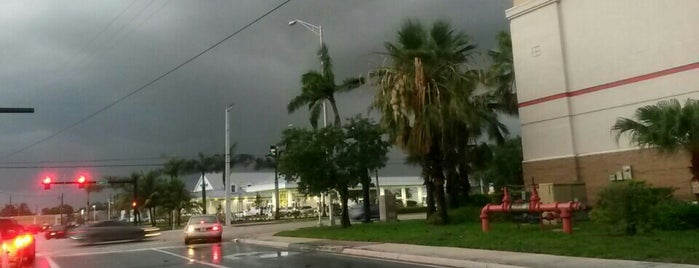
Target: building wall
594	170
581	65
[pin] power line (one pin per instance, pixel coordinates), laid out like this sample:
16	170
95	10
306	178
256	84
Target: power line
147	84
85	166
84	161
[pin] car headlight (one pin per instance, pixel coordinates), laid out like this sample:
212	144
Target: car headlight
190	229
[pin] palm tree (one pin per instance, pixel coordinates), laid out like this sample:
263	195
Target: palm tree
473	119
501	75
667	127
317	87
202	165
150	188
174	167
420	91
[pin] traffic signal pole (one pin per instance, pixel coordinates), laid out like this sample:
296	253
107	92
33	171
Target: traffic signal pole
82	181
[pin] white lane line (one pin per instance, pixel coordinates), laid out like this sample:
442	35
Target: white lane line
52	263
190	259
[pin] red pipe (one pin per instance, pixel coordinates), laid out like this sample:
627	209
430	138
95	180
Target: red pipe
535	206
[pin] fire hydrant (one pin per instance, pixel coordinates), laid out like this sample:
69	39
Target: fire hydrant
564	209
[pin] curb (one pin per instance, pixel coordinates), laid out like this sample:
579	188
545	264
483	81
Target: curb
417	259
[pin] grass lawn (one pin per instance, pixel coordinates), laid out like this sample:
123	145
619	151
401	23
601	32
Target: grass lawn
587	240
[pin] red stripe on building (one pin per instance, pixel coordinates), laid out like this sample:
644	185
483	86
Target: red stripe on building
626	81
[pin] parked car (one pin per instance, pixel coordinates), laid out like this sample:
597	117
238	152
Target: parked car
203	227
356	212
17	242
307	211
107	231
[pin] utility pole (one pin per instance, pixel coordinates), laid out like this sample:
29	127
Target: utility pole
136	214
60	209
227	169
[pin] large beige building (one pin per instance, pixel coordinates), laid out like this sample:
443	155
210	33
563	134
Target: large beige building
580	65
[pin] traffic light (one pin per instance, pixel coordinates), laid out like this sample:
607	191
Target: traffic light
133	204
81	182
47	183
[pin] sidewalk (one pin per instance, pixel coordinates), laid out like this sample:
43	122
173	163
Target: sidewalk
444	256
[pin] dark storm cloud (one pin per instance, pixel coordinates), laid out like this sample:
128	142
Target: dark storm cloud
69	59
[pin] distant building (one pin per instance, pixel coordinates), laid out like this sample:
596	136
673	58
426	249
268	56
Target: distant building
580	65
248	185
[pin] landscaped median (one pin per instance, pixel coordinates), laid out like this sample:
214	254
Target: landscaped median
587	240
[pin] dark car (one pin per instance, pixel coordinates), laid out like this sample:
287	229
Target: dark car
105	231
17	242
356	212
58	231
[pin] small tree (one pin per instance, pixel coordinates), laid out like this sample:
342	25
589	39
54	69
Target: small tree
364	150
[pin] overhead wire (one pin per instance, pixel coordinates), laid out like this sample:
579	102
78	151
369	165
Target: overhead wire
139	89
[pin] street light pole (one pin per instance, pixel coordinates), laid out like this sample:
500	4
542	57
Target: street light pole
318	30
227	172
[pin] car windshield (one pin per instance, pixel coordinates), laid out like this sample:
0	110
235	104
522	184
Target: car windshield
203	219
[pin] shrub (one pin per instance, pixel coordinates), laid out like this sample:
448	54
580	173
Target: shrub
412	203
468	213
676	215
627	207
479	200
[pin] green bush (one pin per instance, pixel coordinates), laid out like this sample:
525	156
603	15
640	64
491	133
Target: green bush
628	207
407	210
675	215
411	203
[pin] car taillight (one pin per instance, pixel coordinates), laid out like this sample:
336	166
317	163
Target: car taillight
190	229
22	241
19	242
216	228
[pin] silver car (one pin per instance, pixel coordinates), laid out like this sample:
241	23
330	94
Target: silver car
202	227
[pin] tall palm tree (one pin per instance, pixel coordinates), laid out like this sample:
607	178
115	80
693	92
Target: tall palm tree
667	127
317	87
501	75
420	90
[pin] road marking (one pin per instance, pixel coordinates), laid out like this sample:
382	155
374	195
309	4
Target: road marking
189	259
52	263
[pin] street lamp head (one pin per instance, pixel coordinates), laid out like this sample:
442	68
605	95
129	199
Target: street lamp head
292	22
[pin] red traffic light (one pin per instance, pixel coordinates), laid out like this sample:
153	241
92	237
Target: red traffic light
133	204
47	183
81	182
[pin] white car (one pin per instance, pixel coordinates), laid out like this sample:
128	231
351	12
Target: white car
203	227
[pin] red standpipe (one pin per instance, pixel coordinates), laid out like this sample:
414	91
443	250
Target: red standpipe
564	209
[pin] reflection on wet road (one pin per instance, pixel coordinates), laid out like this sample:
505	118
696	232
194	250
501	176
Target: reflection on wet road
227	254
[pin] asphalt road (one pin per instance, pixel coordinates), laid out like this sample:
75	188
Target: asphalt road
168	250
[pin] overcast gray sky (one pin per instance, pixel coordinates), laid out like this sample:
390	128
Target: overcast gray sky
72	60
